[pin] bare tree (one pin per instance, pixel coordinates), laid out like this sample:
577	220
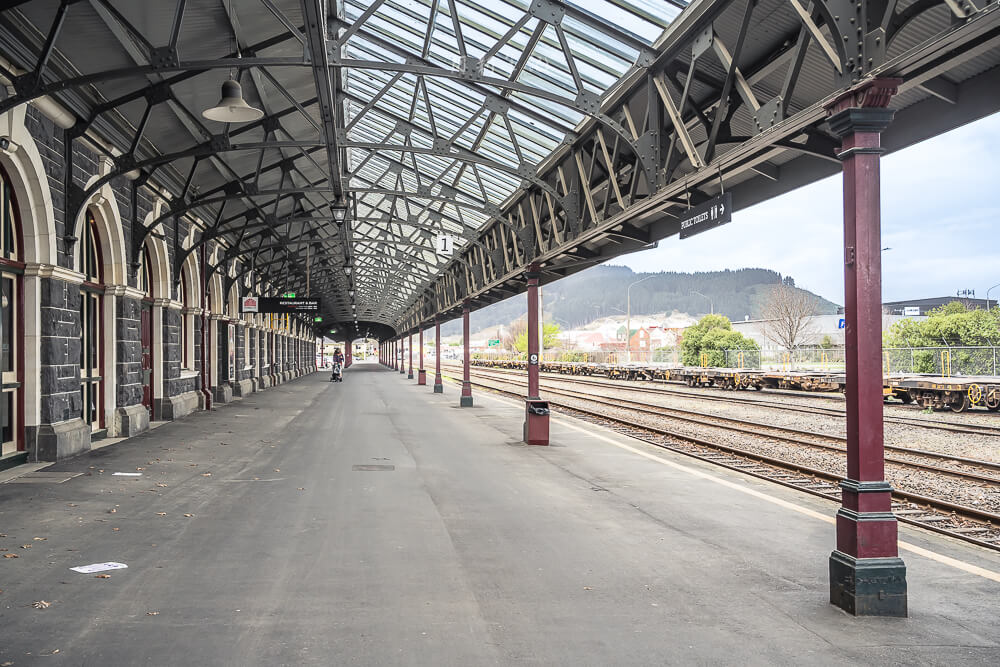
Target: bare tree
514	331
788	310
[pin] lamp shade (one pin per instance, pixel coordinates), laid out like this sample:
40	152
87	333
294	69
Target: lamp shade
232	108
339	211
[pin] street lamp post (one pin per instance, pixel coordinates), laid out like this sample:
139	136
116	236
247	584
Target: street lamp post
988	295
710	302
628	319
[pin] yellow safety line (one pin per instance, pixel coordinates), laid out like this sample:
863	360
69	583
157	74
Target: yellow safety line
920	551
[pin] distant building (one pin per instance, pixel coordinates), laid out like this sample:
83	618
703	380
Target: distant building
639	340
817	329
923	306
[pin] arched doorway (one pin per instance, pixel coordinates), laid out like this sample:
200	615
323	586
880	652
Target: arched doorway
91	325
11	322
146	285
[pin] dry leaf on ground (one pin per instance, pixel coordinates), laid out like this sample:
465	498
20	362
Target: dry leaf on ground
152	613
102	576
41	604
161	514
189	515
11	556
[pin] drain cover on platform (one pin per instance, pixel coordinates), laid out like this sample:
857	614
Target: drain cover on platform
373	468
43	477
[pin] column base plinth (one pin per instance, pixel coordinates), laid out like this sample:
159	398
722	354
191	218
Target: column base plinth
465	402
868	586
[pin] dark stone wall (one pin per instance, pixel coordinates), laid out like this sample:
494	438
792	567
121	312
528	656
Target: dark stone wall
129	351
172	355
171	344
60	351
49	140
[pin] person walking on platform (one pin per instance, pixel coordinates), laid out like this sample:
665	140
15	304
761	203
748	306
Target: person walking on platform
337	374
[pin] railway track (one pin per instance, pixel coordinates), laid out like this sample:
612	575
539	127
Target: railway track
660	390
942	516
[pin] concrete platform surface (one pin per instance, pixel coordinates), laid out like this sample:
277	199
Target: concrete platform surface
374	522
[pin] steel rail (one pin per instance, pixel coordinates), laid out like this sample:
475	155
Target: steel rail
976	429
739	426
629	429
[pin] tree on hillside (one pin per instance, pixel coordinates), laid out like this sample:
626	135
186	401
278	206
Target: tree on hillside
713	335
789	311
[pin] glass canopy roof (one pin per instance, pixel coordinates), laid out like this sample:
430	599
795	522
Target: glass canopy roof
430	115
450	105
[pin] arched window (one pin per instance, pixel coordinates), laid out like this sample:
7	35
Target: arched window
187	328
11	324
91	297
145	273
145	285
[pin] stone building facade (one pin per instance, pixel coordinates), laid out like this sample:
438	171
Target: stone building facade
102	325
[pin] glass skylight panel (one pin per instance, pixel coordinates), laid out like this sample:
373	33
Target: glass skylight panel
603	39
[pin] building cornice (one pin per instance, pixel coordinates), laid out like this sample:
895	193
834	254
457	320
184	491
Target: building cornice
53	271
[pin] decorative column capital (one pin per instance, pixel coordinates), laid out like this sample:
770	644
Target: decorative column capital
874	94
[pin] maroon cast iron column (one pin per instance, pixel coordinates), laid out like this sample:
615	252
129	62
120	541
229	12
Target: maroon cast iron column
402	355
536	411
409	346
438	385
867	577
348	355
421	373
466	400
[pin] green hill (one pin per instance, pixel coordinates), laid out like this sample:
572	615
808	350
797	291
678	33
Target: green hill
600	292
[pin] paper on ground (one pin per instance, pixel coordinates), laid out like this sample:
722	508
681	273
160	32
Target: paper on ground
127	474
98	567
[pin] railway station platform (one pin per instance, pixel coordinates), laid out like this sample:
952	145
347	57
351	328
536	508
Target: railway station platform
375	522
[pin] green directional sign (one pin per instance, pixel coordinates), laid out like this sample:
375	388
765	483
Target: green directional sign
493	342
318	319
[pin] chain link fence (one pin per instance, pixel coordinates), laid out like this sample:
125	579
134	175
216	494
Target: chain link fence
945	361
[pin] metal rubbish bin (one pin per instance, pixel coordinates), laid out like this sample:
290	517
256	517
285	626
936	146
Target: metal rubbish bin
540	408
536	422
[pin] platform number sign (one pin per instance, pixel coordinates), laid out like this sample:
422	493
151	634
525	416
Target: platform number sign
533	359
445	245
841	323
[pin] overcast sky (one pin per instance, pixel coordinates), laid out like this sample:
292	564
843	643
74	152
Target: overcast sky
940	216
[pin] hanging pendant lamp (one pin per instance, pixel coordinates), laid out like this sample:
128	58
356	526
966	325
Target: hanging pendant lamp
232	108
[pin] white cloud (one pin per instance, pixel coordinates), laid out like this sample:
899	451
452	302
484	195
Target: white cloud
940	216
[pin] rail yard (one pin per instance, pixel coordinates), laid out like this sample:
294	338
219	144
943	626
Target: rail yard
944	468
958	394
